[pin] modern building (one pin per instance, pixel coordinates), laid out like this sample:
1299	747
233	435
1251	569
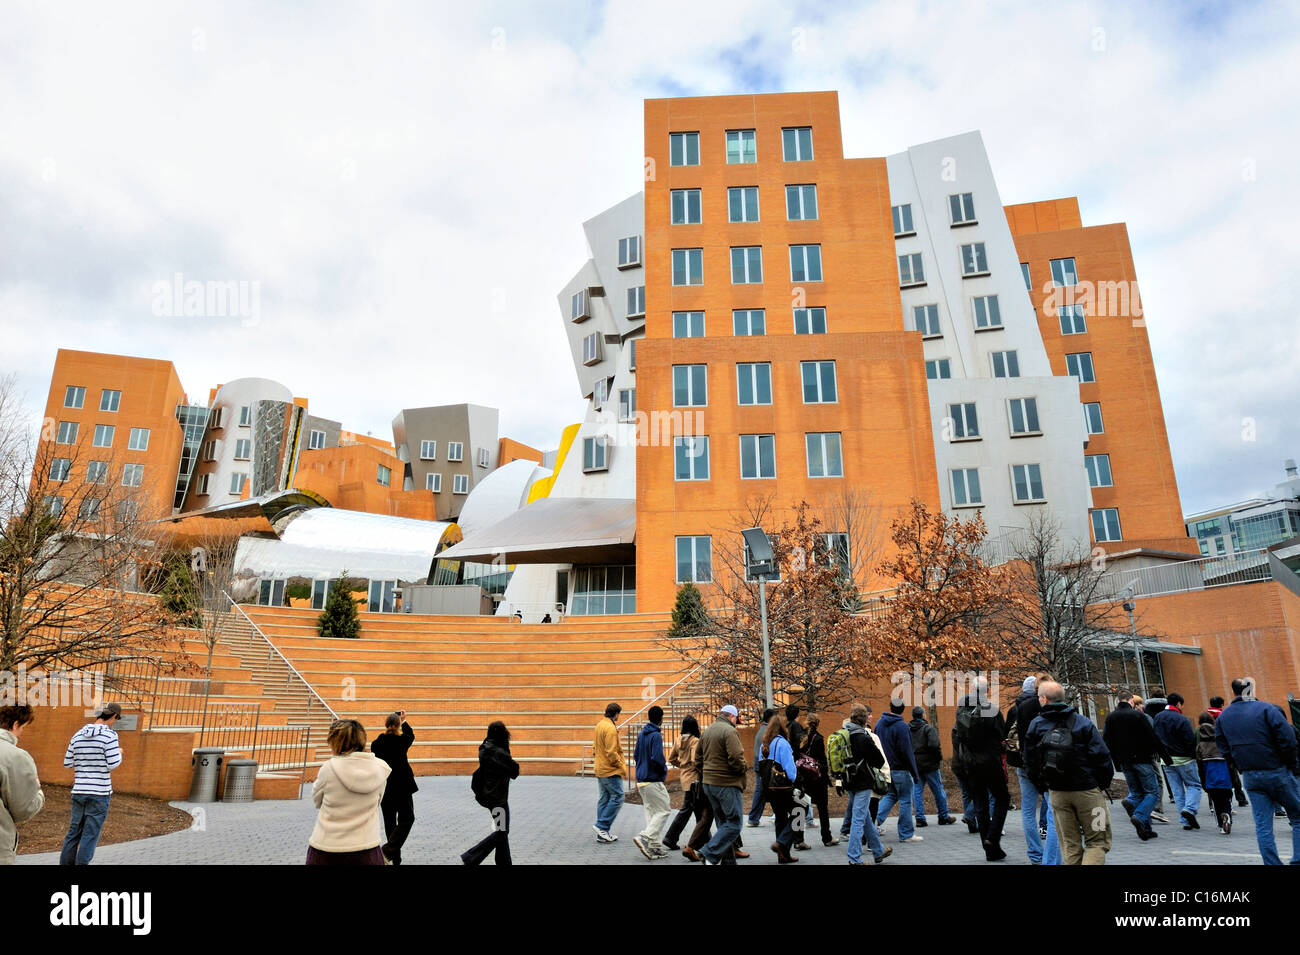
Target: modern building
1265	521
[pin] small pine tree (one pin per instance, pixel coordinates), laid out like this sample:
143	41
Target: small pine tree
339	618
180	594
690	619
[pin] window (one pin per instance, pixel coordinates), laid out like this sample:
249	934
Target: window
691	458
805	263
218	419
627	404
1026	483
68	431
910	271
243	449
484	458
109	400
1005	364
455	451
1092	417
428	450
685	206
683	149
60	468
592	352
602	589
245	416
688	266
688	324
962	208
1080	365
1063	272
824	459
629	252
837	551
987	313
903	220
748	322
966	487
742	204
127	511
796	144
1073	321
631	355
754	384
938	368
1098	470
594	454
1105	524
433	482
818	382
694	560
53	505
973	260
758	455
689	386
315	440
204	481
104	435
1024	270
384	475
1024	416
746	265
460	484
741	146
636	301
810	321
579	307
925	319
237	482
89	510
965	423
600	393
97	472
74	397
800	203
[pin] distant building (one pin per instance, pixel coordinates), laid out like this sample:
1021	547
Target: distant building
1261	522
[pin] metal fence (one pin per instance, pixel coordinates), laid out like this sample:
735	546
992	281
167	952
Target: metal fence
179	702
237	728
1185	575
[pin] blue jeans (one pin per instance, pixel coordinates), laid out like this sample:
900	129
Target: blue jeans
1268	789
900	791
1143	790
1033	811
727	803
88	814
935	782
1185	782
609	802
858	808
756	807
1051	845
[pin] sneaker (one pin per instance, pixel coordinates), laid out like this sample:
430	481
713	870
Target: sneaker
880	830
1225	823
947	821
889	851
661	854
832	841
921	823
1158	816
913	838
1189	818
646	850
603	836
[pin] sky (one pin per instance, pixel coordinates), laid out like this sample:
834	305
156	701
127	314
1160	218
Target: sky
402	186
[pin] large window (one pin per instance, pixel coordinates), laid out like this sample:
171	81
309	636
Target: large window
746	265
742	204
742	147
60	468
754	383
748	321
987	313
96	472
796	144
910	271
688	266
428	450
966	487
1024	416
243	449
758	455
109	399
962	208
810	321
683	149
800	202
691	458
132	475
1105	524
685	204
460	484
636	301
629	252
694	560
433	482
903	220
805	263
455	451
603	590
689	386
1063	272
74	397
1005	364
936	368
68	431
1026	483
974	260
925	319
818	382
824	458
104	435
1073	321
1080	365
688	324
965	422
595	454
1098	470
1092	417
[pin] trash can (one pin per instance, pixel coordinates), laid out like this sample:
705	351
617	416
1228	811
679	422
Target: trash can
240	774
207	773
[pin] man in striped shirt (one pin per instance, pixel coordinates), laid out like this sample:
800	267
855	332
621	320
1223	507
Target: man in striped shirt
93	753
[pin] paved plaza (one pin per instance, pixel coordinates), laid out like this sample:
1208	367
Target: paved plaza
552	819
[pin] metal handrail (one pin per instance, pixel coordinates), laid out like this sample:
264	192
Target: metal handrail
283	659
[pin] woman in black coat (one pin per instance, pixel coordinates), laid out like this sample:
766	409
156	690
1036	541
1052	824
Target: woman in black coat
397	806
816	784
491	785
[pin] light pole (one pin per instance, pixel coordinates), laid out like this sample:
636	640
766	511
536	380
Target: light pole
762	566
1130	605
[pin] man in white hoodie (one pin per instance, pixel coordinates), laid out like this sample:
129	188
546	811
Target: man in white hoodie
93	753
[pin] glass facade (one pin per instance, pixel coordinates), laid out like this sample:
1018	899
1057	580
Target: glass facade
193	419
603	590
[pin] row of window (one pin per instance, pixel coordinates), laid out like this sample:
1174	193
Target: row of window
974	264
203	484
750	322
686	206
741	146
695	556
74	396
823	456
747	265
459	483
1023	416
91	507
104	435
96	472
1006	364
455	452
961	212
754	384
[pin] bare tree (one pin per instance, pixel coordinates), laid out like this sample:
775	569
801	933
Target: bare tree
857	523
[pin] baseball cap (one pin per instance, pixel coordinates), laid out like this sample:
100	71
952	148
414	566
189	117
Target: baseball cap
730	710
110	709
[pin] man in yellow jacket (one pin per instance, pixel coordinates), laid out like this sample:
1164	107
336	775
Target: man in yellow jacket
610	767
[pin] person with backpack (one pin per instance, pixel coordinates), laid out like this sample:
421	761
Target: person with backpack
651	772
814	776
929	758
1179	739
398	805
779	773
756	806
896	739
1065	755
683	757
1033	804
978	741
1135	749
1215	772
491	787
857	764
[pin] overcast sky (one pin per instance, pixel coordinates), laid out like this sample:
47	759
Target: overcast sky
407	183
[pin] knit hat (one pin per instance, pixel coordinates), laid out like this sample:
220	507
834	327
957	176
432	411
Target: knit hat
1030	683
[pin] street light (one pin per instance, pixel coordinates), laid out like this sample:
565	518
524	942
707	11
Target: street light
763	566
1130	605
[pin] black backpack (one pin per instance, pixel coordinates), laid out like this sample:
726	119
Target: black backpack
477	786
1058	753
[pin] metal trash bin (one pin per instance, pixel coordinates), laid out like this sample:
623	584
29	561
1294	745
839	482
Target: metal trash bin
240	774
207	773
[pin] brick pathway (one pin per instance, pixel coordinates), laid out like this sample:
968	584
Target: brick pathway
552	819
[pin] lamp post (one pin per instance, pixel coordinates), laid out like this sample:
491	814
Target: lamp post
1130	605
762	566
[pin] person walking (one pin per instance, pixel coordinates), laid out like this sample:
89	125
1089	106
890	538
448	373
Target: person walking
1033	804
1257	737
1215	772
93	753
978	737
896	739
720	762
683	757
866	759
777	767
651	773
1179	739
1134	750
929	758
491	786
759	799
814	776
398	804
347	793
795	731
1066	757
609	767
21	796
1215	709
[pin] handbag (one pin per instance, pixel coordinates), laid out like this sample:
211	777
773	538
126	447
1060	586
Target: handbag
774	777
808	768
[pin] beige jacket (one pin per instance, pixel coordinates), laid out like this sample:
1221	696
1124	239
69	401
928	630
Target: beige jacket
347	793
683	757
21	796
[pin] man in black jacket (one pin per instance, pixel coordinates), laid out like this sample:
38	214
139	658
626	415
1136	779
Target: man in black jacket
866	756
1134	749
979	737
929	758
1065	755
1176	733
398	805
1033	804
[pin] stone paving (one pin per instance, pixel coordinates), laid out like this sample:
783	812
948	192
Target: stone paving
552	820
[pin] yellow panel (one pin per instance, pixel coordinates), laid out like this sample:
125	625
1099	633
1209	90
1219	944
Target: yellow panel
542	488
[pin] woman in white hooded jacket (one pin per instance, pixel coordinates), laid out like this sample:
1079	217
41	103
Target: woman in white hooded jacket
348	791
